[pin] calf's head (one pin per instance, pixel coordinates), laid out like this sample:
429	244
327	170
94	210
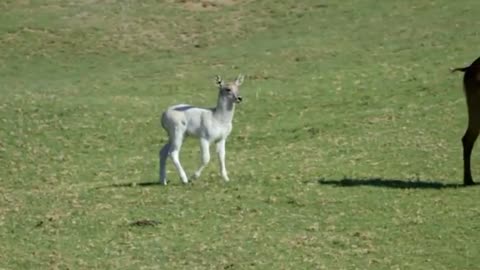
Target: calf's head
230	90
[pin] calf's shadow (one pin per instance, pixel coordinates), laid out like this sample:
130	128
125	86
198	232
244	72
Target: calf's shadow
132	185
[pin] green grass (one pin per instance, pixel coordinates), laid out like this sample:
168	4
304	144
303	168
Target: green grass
345	154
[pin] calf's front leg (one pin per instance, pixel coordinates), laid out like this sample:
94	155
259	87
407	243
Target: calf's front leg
205	157
221	159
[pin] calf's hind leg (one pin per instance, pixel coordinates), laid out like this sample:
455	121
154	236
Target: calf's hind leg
176	141
163	160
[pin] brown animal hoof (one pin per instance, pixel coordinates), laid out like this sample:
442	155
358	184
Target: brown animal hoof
468	182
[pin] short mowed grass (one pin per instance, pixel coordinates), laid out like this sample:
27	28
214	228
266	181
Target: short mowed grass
345	153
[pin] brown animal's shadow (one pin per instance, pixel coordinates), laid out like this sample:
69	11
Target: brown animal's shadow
389	183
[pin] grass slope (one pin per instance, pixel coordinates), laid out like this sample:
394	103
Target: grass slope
345	153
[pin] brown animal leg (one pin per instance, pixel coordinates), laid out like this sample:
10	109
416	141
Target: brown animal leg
468	141
471	85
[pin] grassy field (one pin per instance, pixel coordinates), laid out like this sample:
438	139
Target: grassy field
345	153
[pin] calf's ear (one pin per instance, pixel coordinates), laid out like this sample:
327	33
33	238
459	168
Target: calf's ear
239	79
218	80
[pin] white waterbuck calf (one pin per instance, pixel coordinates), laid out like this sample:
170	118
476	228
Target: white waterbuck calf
209	125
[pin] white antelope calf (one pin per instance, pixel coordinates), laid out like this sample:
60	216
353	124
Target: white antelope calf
209	125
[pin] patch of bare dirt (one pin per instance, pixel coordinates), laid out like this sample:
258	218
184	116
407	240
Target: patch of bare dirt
205	5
